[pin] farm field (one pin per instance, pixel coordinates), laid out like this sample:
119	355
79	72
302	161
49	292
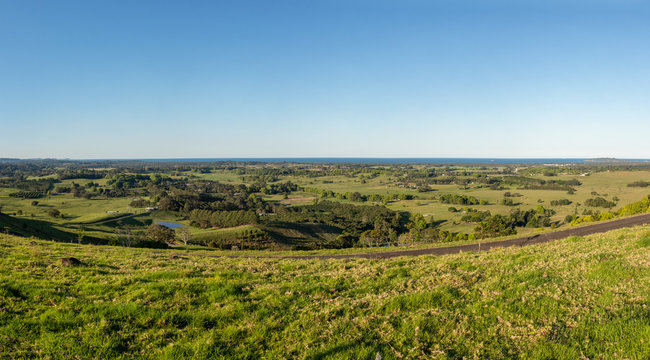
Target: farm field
608	184
275	206
577	297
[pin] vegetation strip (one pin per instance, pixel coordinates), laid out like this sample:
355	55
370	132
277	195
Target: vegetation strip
522	241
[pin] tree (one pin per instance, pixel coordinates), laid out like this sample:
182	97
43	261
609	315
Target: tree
54	213
416	224
159	234
81	232
497	225
184	235
124	237
356	196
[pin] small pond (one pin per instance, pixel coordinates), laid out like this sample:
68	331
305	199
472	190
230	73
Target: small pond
171	225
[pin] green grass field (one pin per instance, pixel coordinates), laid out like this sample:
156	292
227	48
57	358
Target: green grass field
574	298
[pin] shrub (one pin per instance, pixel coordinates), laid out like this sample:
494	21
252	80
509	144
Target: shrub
599	202
639	184
638	207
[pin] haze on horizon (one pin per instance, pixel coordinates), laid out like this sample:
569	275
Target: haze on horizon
360	78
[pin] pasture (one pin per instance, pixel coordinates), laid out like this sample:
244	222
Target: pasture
577	297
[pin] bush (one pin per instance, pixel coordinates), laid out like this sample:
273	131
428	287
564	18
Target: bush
507	202
599	202
639	184
606	216
638	207
560	202
582	219
460	200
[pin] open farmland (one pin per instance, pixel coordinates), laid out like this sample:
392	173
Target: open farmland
284	206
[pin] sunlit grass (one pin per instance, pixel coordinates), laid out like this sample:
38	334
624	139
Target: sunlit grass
578	297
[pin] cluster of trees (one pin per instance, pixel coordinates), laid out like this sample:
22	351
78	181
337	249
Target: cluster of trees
279	188
461	200
508	202
529	183
139	203
357	196
351	219
42	185
65	174
207	218
54	213
186	202
130	181
29	189
445	175
591	217
599	202
501	225
560	202
639	183
474	215
639	207
418	230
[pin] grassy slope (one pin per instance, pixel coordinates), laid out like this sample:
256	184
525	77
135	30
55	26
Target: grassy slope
35	228
283	236
578	297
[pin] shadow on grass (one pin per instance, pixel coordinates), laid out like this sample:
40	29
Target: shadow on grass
41	229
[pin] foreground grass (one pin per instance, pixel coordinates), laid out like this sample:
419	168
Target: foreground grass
578	297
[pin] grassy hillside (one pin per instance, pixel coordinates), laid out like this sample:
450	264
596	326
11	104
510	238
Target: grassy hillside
579	297
274	235
36	228
301	236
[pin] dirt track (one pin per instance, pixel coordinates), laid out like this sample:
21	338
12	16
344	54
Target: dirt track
529	240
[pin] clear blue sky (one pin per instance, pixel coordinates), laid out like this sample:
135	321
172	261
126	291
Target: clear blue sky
336	78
